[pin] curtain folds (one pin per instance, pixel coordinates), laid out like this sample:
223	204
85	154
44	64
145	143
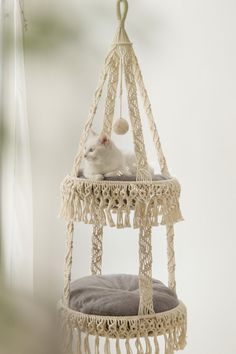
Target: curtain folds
16	184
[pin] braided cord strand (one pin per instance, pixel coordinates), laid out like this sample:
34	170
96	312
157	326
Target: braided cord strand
92	111
68	263
171	257
143	173
151	121
111	93
145	271
96	261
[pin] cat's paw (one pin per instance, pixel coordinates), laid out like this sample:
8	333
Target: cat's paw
110	174
98	177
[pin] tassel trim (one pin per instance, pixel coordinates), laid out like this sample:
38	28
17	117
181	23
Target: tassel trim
172	324
149	343
111	203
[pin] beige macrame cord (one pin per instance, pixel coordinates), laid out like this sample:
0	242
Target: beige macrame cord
68	262
96	259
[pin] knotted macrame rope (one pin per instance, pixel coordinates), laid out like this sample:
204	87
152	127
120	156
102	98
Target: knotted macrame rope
68	263
171	257
96	261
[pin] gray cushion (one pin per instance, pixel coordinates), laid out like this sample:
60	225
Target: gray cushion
116	295
125	178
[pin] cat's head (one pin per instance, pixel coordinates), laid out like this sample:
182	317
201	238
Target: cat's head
96	146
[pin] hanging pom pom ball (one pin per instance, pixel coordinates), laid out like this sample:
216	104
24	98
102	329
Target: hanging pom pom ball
121	126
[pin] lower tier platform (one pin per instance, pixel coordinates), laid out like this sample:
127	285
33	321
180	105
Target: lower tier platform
107	306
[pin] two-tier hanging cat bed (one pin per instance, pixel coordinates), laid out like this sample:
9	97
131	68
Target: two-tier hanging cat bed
129	308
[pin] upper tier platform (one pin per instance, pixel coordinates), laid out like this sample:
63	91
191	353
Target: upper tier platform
121	202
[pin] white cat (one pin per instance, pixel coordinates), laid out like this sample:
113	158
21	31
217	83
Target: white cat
102	158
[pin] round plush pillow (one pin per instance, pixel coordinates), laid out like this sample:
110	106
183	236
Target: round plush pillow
125	177
117	295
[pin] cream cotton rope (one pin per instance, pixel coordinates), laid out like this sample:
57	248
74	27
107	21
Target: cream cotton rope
144	203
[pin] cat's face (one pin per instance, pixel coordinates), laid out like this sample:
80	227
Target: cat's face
96	147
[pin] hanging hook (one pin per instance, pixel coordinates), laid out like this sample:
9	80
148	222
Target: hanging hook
122	16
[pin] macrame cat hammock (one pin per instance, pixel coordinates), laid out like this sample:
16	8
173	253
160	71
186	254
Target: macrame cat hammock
134	309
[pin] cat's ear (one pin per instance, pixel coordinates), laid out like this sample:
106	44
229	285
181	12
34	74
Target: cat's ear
104	140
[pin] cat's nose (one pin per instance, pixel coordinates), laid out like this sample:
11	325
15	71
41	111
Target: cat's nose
85	155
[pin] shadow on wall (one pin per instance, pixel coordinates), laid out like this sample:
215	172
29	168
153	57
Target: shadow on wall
27	326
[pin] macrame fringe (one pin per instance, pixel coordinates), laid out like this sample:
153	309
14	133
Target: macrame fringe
171	324
97	345
128	347
107	347
174	340
118	351
156	345
79	342
148	345
111	204
86	345
138	345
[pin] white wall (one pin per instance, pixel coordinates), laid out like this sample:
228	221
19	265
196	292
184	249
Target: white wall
187	51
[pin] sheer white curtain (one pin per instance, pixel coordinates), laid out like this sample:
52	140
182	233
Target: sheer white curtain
16	203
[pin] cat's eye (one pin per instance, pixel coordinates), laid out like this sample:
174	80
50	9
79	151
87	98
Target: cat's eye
91	150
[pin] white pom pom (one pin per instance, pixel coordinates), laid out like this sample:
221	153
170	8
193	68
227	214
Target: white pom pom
121	126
